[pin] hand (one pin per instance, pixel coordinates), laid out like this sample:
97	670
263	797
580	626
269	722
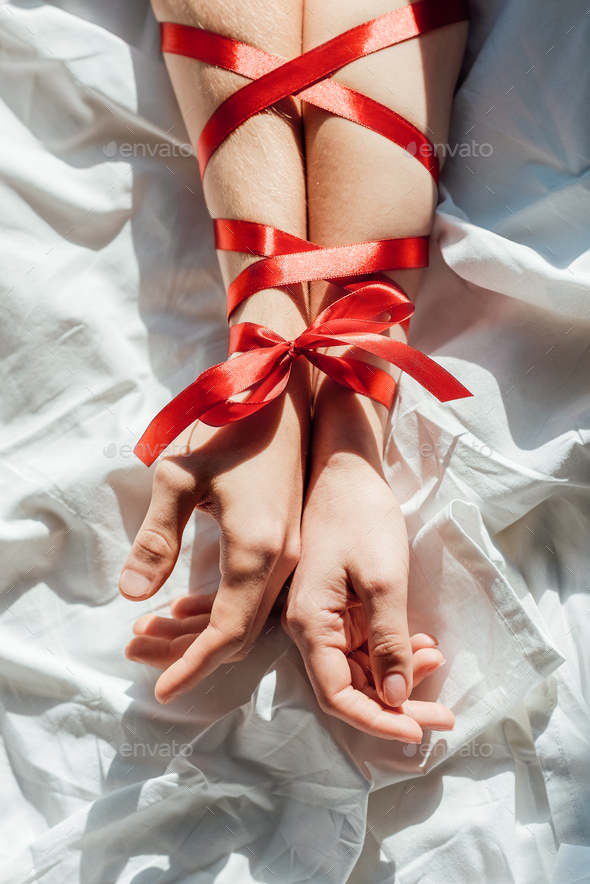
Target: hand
191	616
249	476
346	609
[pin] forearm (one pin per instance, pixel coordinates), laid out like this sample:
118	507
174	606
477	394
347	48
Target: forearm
360	185
258	173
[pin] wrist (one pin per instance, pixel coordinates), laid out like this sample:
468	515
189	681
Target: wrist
347	427
283	312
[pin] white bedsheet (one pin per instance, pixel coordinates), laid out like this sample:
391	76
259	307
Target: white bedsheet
112	302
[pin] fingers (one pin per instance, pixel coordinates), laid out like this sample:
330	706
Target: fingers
189	605
190	617
423	640
281	574
432	716
224	636
322	633
322	628
417	641
390	651
425	662
158	652
343	681
157	545
206	631
252	576
167	627
154	641
342	691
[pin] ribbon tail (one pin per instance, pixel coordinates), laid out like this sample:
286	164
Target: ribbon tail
262	394
264	372
429	374
171	421
436	379
368	380
377	384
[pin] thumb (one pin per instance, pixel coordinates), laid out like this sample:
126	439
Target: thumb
155	550
388	640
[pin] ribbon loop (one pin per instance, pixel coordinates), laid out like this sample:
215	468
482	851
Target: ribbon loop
263	367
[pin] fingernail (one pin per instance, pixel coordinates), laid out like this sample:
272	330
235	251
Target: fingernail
134	584
434	639
395	689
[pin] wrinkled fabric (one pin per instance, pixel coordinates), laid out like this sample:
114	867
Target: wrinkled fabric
112	304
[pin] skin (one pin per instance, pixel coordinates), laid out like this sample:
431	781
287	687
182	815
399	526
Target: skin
351	200
346	609
250	475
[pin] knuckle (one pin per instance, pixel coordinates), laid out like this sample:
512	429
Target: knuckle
292	552
388	647
254	552
235	639
153	546
328	701
239	572
375	590
268	544
241	653
295	622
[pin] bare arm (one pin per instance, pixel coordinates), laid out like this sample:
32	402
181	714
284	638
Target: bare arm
362	187
248	475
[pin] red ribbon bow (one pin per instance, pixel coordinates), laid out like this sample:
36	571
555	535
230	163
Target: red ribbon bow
264	365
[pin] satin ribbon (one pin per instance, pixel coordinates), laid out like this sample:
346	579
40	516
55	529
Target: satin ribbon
286	259
306	76
264	365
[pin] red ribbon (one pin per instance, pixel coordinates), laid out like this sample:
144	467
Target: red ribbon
289	259
306	76
286	259
265	367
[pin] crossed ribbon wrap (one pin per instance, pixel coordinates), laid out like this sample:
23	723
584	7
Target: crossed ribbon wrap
264	363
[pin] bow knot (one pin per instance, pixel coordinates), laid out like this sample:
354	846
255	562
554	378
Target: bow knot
261	367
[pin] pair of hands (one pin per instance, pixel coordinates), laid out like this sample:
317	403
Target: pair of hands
346	606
